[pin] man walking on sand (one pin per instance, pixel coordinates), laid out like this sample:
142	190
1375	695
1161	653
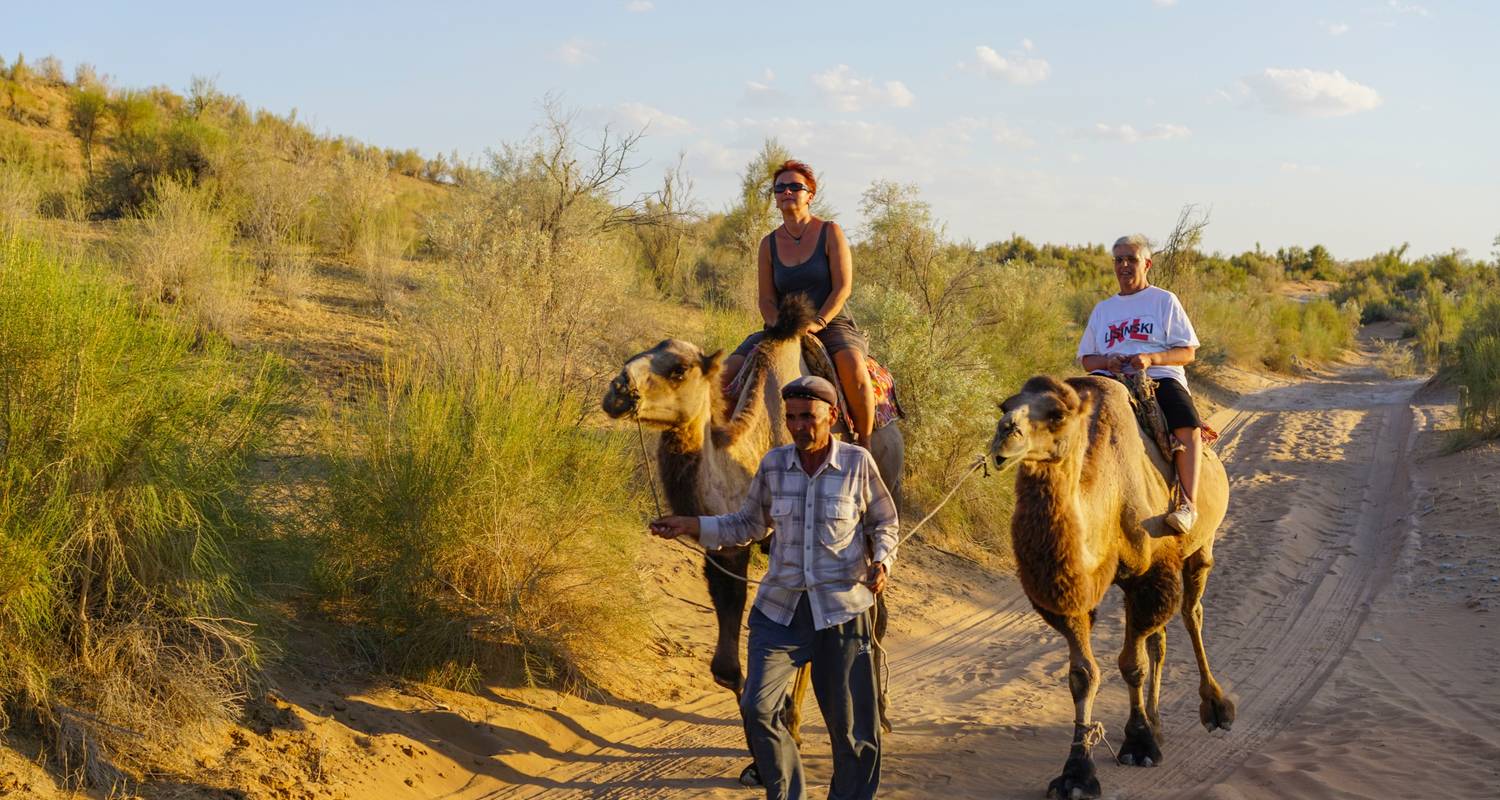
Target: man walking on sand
835	539
1145	328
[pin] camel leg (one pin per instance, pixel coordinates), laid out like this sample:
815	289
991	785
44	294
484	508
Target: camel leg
1216	709
1156	646
1078	778
1150	601
791	713
728	597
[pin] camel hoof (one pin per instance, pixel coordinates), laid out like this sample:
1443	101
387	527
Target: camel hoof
750	776
1216	713
1140	748
1078	781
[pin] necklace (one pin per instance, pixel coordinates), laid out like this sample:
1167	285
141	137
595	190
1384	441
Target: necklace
796	237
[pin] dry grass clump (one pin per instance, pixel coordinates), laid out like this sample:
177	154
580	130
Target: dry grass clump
476	526
20	195
123	444
178	255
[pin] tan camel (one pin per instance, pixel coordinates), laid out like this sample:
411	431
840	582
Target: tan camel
708	453
1091	494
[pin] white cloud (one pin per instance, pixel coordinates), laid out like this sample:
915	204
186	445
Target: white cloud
639	6
1019	68
762	94
1130	134
1311	93
640	115
574	52
1336	28
1163	3
1294	168
1407	8
849	92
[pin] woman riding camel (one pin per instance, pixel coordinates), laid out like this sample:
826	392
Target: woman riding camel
810	256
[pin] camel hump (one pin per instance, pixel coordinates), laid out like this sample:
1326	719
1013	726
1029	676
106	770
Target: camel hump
793	314
1114	403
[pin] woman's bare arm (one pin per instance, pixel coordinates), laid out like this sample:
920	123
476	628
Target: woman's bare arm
765	293
841	271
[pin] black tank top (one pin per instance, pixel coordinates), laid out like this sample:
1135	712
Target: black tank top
813	277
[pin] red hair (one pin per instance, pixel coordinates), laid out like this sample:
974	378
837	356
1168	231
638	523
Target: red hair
801	168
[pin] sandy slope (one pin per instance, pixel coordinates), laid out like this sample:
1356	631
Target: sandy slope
1350	614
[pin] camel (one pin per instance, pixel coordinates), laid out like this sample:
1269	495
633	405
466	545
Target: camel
1091	495
708	453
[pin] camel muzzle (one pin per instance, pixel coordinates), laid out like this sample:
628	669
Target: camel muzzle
619	399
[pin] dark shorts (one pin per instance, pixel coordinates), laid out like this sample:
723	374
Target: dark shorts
840	335
1176	404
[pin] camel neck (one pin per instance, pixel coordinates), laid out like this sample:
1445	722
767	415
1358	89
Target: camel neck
1060	559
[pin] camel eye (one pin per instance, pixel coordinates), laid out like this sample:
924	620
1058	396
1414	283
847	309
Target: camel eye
678	372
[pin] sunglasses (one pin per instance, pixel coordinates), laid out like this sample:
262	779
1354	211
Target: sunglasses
788	187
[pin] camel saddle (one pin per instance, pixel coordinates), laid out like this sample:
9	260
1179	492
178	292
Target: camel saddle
887	408
1153	421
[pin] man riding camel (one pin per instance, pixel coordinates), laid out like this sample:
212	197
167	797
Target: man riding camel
1144	327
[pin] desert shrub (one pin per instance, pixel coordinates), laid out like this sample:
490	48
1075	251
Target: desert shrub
1316	330
1436	320
475	526
20	196
405	162
359	220
86	113
1477	368
178	256
183	149
131	111
123	444
50	69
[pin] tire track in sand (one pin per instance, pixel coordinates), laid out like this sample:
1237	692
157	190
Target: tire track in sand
1319	492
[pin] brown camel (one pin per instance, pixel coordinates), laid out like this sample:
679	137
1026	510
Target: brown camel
1091	494
708	453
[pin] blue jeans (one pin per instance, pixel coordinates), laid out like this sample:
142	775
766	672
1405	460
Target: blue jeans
843	680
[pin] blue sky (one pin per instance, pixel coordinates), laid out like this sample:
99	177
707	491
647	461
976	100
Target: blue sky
1358	125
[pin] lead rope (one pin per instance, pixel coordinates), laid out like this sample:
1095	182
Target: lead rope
1093	734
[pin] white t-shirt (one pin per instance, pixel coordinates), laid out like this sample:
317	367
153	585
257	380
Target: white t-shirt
1149	321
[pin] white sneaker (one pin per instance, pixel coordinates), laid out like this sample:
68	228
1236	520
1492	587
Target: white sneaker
1183	518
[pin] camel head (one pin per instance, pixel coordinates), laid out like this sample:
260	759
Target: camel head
1037	423
670	385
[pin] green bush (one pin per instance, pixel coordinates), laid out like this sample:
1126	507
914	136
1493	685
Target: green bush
1477	368
183	149
123	445
475	526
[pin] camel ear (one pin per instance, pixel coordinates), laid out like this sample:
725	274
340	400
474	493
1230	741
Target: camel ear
1069	397
712	362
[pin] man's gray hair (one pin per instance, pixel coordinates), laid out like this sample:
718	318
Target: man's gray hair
1138	242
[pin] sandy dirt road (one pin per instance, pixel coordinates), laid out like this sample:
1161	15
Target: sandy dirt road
1361	668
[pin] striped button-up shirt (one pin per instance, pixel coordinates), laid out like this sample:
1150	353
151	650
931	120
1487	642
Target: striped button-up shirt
830	527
